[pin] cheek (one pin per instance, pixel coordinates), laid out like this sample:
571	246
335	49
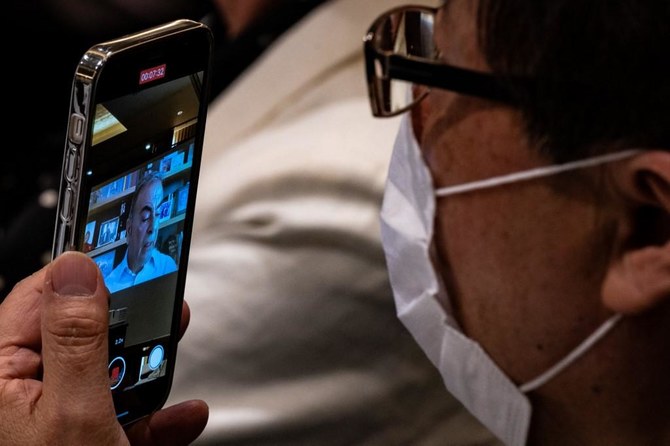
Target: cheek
480	248
473	242
519	264
142	228
498	245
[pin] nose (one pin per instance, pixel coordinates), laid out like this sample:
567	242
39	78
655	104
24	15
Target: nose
153	225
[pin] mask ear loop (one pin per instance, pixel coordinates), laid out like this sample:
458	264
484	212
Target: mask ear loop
570	358
538	173
535	173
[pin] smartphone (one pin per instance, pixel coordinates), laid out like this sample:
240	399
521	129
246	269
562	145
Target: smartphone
127	193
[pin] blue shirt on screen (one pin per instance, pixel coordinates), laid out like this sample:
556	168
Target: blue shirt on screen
122	277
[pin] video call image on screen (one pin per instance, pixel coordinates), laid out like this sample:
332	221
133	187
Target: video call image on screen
134	228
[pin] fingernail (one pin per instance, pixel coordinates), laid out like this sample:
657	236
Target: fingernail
73	273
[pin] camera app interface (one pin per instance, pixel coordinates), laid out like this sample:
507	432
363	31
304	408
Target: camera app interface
134	228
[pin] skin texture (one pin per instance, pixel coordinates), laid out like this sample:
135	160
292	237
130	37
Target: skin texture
533	268
54	383
142	225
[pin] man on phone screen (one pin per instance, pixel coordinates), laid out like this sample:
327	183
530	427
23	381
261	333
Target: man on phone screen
142	261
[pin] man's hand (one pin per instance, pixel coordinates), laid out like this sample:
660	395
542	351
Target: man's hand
54	382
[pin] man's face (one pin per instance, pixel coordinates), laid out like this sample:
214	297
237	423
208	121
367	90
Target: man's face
142	228
519	261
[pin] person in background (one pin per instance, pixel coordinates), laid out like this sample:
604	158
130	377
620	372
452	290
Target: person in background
294	337
54	382
526	218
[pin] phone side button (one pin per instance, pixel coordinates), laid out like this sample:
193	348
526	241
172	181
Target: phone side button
71	167
76	128
65	210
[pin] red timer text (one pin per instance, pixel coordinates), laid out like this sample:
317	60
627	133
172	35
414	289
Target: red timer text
152	74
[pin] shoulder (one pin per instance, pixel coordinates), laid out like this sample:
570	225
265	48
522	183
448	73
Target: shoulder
164	263
115	273
114	279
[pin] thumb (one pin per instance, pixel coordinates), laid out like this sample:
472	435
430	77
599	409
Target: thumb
76	385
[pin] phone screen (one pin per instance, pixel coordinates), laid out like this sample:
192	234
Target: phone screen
127	198
134	227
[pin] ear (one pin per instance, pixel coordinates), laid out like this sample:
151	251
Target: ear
639	278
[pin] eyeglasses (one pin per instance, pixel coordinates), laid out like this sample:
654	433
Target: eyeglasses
400	52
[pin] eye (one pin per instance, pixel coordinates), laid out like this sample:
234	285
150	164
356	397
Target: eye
145	215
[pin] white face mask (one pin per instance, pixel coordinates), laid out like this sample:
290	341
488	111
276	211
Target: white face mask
407	231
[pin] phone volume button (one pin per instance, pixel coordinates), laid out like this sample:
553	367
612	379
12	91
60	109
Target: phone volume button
71	166
66	210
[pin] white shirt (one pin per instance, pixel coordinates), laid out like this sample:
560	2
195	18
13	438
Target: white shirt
122	277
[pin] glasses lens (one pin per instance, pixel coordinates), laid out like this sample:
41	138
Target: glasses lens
407	33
